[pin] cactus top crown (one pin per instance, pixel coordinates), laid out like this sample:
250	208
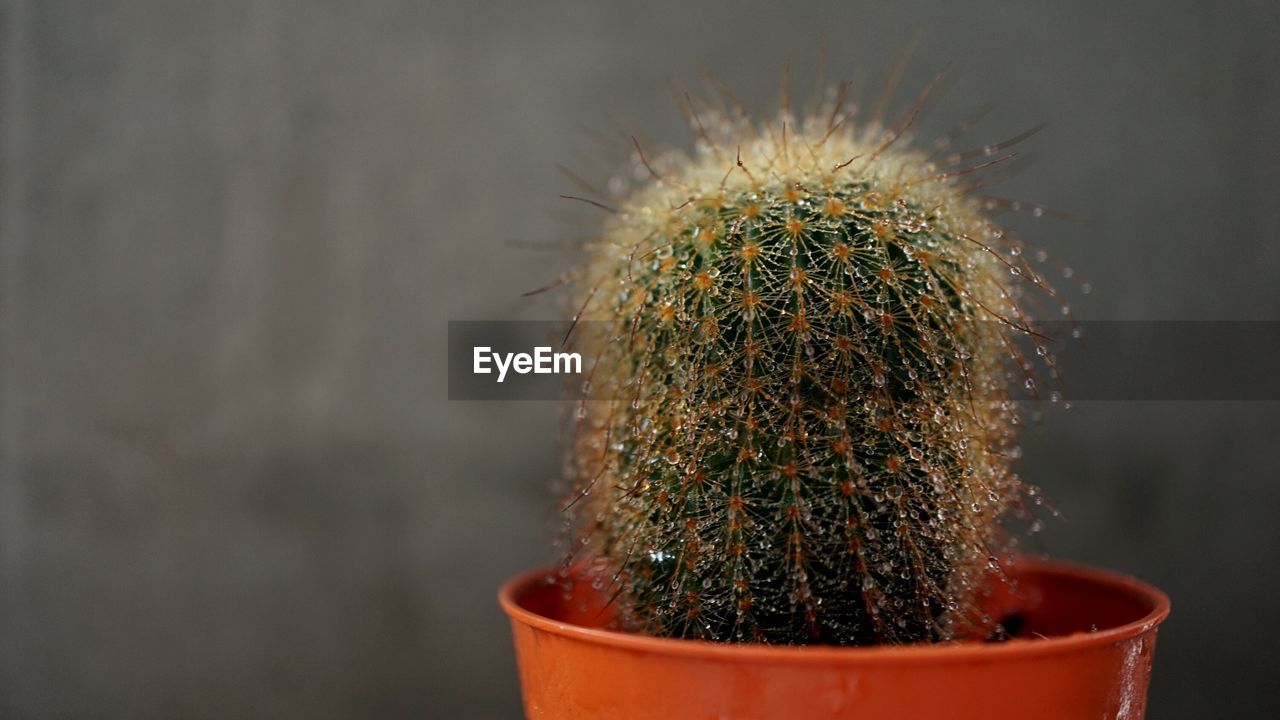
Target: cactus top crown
808	328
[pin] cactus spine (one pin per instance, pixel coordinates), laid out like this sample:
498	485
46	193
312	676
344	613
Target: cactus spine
806	328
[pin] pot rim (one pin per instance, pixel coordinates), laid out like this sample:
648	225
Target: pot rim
958	651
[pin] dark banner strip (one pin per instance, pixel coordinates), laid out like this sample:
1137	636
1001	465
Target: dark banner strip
1098	360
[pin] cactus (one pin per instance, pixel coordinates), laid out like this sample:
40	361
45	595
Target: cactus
806	329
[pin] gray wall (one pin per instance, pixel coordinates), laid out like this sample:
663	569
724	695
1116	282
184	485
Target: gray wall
231	483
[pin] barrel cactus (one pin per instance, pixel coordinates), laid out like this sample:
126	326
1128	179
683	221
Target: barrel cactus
803	335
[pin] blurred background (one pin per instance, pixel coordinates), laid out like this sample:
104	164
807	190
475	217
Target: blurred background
232	234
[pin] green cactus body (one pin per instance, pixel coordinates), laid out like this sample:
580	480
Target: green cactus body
808	434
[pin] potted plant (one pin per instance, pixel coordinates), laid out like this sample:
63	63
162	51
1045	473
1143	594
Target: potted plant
792	475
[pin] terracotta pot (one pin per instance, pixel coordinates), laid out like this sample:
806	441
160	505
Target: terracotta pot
1084	650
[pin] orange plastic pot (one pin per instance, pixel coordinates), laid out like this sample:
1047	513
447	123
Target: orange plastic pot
1083	651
